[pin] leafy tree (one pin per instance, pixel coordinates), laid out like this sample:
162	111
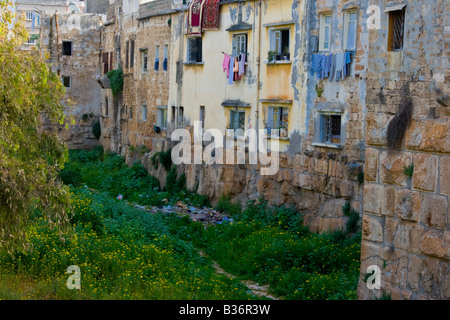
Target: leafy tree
30	157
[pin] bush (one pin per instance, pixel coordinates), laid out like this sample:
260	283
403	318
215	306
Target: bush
116	79
96	129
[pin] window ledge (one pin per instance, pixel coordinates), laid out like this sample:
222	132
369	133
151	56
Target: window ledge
278	62
327	145
193	63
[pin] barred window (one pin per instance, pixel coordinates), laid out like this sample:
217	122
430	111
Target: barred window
195	49
396	30
331	129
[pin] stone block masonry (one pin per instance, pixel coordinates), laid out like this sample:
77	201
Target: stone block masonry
406	224
73	42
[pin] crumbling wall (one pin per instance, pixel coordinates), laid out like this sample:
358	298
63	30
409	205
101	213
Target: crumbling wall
406	224
81	67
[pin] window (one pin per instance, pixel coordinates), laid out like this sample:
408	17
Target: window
202	116
396	30
106	106
131	53
127	55
237	119
144	60
279	42
277	118
239	44
181	116
325	32
67	48
105	62
174	114
195	49
330	126
67	81
29	15
166	57
350	30
156	58
144	113
110	60
131	112
161	116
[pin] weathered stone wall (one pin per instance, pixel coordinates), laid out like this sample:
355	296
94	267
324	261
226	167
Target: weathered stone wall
406	224
125	128
82	66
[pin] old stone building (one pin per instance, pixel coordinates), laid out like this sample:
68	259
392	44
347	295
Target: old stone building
136	39
73	43
32	11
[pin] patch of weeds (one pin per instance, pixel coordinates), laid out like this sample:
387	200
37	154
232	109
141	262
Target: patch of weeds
409	171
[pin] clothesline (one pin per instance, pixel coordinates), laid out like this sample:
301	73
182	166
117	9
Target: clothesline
234	67
333	66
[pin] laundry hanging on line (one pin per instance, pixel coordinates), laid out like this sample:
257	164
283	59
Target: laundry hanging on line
336	67
234	67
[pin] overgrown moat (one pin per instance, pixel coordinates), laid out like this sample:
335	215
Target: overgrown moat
126	251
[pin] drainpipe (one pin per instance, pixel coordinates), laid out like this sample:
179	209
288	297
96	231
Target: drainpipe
258	74
58	70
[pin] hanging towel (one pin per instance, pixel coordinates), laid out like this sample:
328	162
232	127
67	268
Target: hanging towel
324	66
230	71
332	67
316	64
226	63
242	64
340	64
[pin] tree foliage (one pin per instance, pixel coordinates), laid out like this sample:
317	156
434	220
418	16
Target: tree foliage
30	157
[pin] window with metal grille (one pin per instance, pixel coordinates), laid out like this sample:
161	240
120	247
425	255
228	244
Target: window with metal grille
331	129
396	30
195	49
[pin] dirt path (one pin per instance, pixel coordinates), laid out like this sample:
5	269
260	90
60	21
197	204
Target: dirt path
255	288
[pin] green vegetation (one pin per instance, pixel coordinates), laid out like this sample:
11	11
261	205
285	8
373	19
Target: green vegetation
409	171
29	158
127	253
116	79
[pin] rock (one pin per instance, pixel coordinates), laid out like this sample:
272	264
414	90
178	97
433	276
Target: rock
392	167
407	205
379	199
425	172
436	244
444	175
371	165
428	135
372	230
434	211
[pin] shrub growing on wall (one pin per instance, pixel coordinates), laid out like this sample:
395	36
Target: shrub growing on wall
116	79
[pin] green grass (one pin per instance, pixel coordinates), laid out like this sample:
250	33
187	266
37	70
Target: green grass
127	253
